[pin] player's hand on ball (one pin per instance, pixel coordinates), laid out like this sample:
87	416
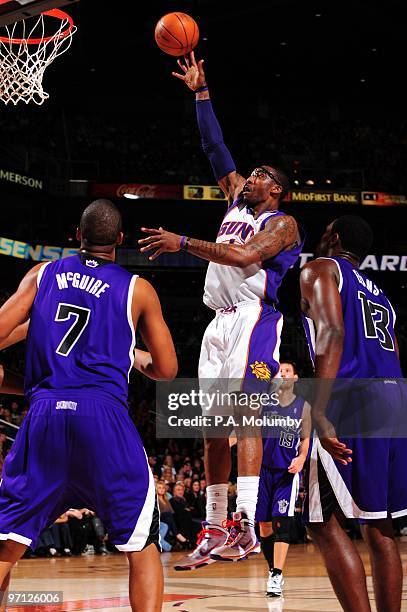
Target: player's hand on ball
296	465
160	239
193	72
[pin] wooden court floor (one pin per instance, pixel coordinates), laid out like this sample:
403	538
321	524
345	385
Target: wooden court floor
100	583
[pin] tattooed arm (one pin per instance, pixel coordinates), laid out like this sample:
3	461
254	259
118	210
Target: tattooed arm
279	234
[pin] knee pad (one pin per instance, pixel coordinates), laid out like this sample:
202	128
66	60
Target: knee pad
282	528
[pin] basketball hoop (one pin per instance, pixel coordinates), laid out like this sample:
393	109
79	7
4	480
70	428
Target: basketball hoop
27	50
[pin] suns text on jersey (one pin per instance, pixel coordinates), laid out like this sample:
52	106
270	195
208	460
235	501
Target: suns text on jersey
87	283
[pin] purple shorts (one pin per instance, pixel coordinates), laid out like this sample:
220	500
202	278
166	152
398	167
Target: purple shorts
76	451
374	485
278	492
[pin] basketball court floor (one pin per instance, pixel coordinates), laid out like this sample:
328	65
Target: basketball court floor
100	583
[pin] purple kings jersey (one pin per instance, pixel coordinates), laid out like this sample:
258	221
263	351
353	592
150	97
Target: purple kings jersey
282	446
81	336
369	319
229	285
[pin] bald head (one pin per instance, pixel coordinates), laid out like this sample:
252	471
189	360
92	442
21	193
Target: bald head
100	224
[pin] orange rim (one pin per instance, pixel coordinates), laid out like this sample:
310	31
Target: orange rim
37	41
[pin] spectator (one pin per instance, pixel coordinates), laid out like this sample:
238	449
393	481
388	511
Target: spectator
62	536
152	462
167	513
95	532
187	483
202	484
168	466
197	501
167	475
183	514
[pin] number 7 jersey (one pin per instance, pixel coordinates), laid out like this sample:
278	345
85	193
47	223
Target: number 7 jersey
81	336
369	349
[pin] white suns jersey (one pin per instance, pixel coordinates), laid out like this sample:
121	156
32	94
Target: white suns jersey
228	285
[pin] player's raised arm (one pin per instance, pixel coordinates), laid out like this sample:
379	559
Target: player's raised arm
160	362
16	310
213	145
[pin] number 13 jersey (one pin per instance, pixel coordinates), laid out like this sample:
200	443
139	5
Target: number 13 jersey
369	349
81	336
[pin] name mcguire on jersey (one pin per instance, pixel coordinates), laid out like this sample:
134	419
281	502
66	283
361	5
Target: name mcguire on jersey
85	282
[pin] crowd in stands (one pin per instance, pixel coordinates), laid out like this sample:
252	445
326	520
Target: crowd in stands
350	152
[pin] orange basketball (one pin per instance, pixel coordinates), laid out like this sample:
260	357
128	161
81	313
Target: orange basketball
176	33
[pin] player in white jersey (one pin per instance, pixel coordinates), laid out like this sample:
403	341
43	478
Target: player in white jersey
255	247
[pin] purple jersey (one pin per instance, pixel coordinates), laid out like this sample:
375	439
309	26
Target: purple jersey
369	346
282	446
81	335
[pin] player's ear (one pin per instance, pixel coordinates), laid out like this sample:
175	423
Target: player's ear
78	234
276	189
120	239
333	239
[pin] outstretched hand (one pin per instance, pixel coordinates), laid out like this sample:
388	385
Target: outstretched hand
161	240
193	72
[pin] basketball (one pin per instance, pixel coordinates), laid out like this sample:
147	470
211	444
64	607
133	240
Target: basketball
176	34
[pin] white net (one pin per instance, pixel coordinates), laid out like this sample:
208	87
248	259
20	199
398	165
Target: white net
26	50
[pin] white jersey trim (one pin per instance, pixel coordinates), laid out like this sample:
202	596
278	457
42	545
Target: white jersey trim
41	272
314	500
339	270
279	328
348	505
294	494
138	538
131	325
16	537
399	513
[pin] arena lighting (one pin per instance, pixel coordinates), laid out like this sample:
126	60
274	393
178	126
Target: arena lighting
328	181
310	182
131	196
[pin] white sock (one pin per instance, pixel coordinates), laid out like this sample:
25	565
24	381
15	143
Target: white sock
216	503
247	490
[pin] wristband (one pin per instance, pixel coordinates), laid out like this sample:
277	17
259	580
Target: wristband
203	88
183	243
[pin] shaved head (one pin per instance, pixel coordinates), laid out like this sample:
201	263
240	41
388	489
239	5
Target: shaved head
101	223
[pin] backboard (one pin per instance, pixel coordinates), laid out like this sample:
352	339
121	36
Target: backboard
15	10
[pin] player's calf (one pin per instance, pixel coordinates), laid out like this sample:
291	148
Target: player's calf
10	553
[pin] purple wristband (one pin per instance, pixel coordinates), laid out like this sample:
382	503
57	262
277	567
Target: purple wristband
203	88
183	242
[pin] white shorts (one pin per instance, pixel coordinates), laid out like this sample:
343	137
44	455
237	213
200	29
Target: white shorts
242	343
